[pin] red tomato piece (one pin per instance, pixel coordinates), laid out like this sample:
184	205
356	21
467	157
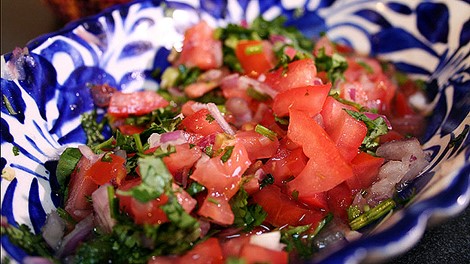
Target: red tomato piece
309	99
142	213
283	210
326	167
223	177
253	254
130	129
80	187
347	132
257	145
102	172
339	200
286	164
182	159
136	103
233	246
201	123
255	56
299	73
366	168
200	48
187	202
217	208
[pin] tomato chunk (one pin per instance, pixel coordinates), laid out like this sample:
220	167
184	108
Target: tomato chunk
200	48
257	145
366	168
255	56
253	254
309	99
201	123
136	103
299	73
206	252
326	167
103	171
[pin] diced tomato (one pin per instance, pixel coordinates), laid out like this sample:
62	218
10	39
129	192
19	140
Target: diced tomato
187	108
298	74
200	48
130	129
286	164
201	123
257	145
223	177
251	186
232	247
113	167
136	103
401	107
326	167
217	208
309	99
187	202
366	168
316	200
255	56
80	187
182	159
347	132
339	200
283	210
142	213
253	254
206	252
198	89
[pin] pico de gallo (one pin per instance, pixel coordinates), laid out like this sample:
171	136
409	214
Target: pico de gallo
261	146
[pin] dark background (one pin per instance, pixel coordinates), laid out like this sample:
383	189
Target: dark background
448	242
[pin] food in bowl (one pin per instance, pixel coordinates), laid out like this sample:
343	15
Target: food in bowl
259	146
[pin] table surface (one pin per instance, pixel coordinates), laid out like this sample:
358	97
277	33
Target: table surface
448	242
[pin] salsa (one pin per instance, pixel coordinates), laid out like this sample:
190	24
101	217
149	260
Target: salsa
261	146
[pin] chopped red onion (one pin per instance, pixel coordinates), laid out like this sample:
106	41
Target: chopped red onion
240	110
53	230
102	209
81	231
174	138
260	87
36	260
89	154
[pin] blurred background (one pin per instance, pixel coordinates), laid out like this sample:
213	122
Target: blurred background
24	20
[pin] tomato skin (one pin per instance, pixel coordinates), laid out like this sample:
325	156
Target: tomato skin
347	132
286	164
283	210
299	73
135	103
102	172
326	167
200	49
257	145
257	63
217	208
309	99
366	168
80	186
253	254
201	123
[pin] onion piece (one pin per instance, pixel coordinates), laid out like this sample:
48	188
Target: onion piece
36	260
53	230
102	209
70	242
270	240
374	116
89	154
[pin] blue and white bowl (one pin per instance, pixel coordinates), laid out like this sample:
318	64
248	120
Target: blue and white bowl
429	40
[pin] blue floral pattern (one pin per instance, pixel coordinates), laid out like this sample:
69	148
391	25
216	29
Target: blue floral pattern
124	44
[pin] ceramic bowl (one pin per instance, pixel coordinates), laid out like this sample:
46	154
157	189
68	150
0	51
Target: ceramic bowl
122	46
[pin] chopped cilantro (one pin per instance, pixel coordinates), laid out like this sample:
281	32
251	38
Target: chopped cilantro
268	180
195	188
366	67
334	65
210	118
258	96
65	166
93	128
266	132
375	128
247	215
228	152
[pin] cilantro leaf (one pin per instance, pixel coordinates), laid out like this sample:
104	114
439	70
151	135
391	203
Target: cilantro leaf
375	128
247	215
93	128
334	65
155	180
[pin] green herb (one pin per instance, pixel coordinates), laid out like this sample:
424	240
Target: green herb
66	165
254	49
155	180
295	194
233	260
258	96
282	121
266	132
209	151
66	216
16	150
93	129
210	118
228	152
8	105
298	239
373	214
366	67
169	78
138	143
247	215
195	188
359	107
212	200
323	223
353	212
334	65
33	244
375	128
268	180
